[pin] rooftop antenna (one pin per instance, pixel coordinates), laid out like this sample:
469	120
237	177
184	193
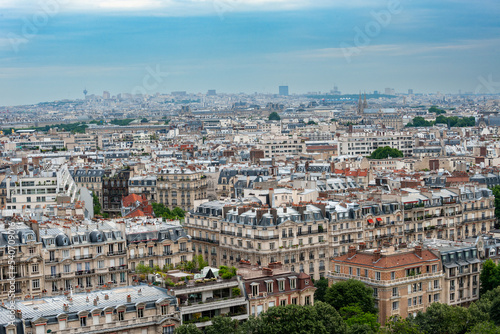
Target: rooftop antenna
85	92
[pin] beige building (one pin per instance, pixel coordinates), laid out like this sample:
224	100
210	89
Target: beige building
131	310
180	187
404	281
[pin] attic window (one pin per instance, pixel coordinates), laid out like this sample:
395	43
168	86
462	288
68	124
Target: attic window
29	237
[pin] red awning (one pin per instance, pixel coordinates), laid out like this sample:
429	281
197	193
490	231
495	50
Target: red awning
379	219
370	221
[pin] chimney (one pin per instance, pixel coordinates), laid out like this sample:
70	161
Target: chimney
362	246
418	251
65	307
106	297
129	299
19	314
376	255
352	251
267	271
95	302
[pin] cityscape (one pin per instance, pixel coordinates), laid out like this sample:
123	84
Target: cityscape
249	167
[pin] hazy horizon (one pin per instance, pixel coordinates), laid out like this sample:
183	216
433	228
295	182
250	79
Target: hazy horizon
53	49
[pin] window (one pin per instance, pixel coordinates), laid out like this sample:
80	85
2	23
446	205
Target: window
164	309
83	321
255	290
140	312
436	297
307	300
358	272
281	284
283	302
375	292
121	315
293	283
34	267
169	329
395	292
393	275
269	287
378	276
409	302
109	317
36	284
62	324
294	300
395	305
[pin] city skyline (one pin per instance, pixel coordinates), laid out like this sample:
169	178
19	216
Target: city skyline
54	49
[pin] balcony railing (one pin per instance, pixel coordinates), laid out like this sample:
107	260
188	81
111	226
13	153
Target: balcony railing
53	276
82	257
117	252
84	272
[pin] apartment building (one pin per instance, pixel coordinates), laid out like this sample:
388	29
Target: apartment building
461	266
404	281
180	187
270	286
277	145
201	300
28	265
90	179
143	185
156	244
132	309
364	143
37	189
203	225
114	188
82	257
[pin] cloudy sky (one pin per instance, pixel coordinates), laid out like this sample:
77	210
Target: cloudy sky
53	49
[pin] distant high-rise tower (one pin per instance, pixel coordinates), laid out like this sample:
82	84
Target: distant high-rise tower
105	95
85	92
211	92
410	91
283	90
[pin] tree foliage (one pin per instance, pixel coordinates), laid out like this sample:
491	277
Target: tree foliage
443	318
274	116
496	193
436	110
122	122
419	121
386	151
321	285
160	210
489	277
351	293
188	329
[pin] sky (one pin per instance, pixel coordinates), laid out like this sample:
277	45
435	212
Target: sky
53	49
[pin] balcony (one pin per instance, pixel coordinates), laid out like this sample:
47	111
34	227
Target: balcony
122	267
117	252
82	257
53	260
169	252
52	277
84	272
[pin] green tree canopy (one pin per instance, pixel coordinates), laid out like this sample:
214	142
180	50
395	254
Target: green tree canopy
489	277
442	318
274	116
386	151
351	293
321	285
436	110
188	329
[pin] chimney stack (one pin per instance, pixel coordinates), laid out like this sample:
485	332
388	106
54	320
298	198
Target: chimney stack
129	299
376	255
95	302
352	251
418	251
65	307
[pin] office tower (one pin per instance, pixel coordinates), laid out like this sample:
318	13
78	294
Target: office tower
283	90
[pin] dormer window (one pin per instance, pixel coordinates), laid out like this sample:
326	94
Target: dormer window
29	237
50	242
255	289
293	283
75	239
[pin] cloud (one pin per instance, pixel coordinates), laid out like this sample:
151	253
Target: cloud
174	7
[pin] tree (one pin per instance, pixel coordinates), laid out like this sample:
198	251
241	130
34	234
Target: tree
290	319
495	311
354	316
442	318
200	261
489	277
321	285
274	116
420	122
386	151
188	329
144	120
222	325
398	325
436	110
311	123
97	204
351	293
485	327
